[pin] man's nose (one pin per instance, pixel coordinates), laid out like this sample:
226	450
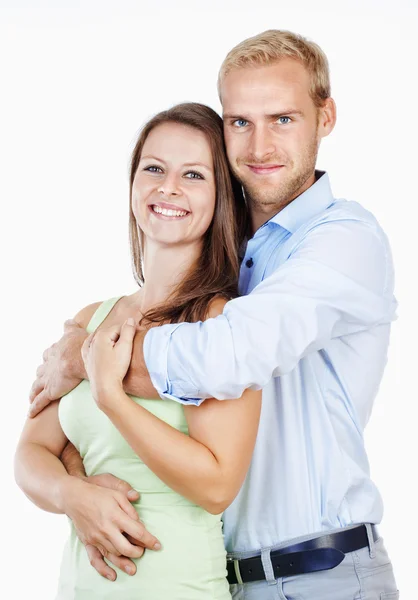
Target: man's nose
262	143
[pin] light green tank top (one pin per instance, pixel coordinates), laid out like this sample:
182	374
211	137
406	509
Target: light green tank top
191	564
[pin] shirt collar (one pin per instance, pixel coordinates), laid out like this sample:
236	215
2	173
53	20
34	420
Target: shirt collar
314	200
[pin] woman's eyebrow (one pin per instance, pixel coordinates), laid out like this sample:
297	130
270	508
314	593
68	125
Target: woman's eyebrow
152	157
197	164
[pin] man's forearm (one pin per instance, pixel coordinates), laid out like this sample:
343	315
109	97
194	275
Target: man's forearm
75	365
137	381
72	461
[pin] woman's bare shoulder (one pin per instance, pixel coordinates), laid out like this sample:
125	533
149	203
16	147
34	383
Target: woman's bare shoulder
84	315
216	306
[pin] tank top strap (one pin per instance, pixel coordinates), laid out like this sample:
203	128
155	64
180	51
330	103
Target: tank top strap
101	313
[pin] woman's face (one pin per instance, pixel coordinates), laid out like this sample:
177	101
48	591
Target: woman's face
173	193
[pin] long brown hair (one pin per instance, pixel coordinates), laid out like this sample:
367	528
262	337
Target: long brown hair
217	269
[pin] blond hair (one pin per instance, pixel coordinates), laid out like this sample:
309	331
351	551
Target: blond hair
271	46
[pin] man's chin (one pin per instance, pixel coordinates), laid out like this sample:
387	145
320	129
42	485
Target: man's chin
267	194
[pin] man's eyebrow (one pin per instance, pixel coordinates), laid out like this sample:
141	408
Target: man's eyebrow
285	113
282	113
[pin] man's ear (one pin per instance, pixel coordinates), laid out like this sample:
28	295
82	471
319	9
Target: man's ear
327	117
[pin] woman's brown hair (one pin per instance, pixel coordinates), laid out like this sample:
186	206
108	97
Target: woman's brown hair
217	269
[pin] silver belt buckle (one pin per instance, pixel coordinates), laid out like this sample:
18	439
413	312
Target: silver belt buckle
236	569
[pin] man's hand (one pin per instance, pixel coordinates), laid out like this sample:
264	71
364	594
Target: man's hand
103	518
61	370
96	557
73	463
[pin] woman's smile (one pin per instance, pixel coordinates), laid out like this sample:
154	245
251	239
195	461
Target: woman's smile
163	210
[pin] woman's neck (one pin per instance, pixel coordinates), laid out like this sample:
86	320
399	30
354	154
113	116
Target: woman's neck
164	267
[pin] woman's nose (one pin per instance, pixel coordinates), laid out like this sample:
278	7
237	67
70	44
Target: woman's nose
169	187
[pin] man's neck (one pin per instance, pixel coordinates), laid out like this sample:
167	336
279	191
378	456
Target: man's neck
259	215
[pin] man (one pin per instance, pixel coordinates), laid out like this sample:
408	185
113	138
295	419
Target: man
311	328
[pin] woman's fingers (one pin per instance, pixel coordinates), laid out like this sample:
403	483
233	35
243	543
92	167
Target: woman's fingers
128	331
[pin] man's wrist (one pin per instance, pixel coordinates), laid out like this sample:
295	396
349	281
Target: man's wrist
73	366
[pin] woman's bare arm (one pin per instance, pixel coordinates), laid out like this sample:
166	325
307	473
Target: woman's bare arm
100	515
208	466
38	469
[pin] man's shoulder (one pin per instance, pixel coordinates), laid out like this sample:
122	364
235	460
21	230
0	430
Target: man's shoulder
349	213
345	210
343	223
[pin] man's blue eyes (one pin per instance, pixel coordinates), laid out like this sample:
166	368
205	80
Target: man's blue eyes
240	123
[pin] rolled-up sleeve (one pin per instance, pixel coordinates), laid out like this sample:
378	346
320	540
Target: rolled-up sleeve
337	281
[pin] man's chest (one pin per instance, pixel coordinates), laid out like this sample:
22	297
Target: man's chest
265	252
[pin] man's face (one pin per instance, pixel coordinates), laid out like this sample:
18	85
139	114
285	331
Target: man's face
272	133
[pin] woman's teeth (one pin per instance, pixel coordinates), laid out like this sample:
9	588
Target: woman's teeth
168	212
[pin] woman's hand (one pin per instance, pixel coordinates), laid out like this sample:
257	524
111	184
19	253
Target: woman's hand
107	355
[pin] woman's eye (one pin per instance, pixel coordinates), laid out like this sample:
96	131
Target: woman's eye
153	169
284	120
193	175
240	123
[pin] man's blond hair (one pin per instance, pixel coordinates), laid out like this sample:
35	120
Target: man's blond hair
271	46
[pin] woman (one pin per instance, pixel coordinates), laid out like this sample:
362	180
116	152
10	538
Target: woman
187	462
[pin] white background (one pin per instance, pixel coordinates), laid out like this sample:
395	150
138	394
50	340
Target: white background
78	79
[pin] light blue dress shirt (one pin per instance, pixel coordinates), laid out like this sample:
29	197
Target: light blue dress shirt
312	329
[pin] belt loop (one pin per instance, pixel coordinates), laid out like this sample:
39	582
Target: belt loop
268	567
372	551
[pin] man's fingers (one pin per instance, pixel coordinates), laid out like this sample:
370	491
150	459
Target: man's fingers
126	489
86	346
114	483
97	562
40	371
140	534
41	401
37	388
123	563
127	507
71	323
123	547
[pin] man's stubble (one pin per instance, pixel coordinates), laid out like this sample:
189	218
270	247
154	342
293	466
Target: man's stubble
271	200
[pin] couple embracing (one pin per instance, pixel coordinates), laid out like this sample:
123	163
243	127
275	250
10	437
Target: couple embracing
205	434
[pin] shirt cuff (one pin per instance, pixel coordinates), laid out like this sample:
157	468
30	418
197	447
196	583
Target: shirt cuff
156	350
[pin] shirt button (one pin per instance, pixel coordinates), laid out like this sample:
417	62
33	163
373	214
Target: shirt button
249	263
